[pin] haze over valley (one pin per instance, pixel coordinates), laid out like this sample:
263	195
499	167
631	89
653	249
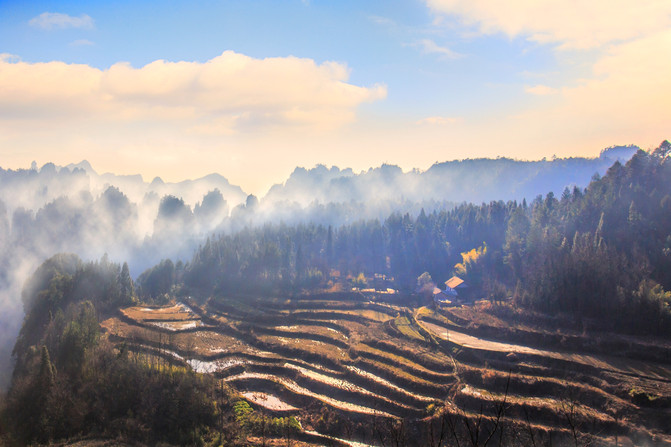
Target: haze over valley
305	223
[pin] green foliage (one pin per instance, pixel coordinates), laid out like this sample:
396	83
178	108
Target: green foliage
47	374
588	253
55	269
93	389
79	335
585	252
62	281
651	304
69	382
126	287
256	423
242	411
158	280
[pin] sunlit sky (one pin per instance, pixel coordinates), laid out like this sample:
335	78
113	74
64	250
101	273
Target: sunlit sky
252	89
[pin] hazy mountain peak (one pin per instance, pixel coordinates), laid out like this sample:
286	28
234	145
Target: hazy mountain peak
622	153
388	169
216	177
84	165
48	169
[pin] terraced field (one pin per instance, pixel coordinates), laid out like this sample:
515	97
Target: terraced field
381	366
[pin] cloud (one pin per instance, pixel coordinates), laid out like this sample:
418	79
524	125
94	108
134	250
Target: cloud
631	85
57	20
81	43
229	93
428	46
540	90
380	20
567	23
537	75
626	99
438	121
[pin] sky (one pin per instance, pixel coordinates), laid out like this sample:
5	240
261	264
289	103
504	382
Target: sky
252	89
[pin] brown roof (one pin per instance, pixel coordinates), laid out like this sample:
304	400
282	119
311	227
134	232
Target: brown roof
454	282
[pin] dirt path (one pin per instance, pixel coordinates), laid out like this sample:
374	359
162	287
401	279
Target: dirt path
623	366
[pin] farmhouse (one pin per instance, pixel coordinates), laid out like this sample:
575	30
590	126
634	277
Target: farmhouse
455	285
443	296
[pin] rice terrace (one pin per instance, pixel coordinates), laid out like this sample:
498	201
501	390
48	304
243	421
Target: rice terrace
372	365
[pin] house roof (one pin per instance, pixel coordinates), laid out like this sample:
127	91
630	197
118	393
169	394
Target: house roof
439	296
450	292
455	282
444	296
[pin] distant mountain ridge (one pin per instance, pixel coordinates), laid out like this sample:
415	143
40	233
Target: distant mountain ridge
74	209
470	180
191	191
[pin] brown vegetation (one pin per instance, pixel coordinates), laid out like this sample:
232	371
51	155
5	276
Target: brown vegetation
356	366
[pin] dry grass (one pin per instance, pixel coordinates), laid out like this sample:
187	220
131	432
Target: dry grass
368	314
392	373
394	361
173	313
308	346
313	330
405	327
201	343
404	361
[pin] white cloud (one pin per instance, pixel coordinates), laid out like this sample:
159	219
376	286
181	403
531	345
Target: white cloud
567	23
540	90
626	96
380	20
57	20
631	86
428	46
439	120
81	43
537	75
229	93
627	99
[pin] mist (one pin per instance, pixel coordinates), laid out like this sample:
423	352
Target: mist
74	209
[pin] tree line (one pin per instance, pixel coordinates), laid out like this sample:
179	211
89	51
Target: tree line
592	252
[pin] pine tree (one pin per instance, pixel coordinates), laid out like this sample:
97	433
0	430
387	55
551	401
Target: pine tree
126	284
46	378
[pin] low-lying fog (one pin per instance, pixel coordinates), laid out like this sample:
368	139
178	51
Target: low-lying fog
47	210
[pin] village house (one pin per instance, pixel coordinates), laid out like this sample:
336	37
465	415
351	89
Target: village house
443	297
456	285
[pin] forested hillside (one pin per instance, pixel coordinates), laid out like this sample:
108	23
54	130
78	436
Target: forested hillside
599	255
69	381
593	252
73	209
